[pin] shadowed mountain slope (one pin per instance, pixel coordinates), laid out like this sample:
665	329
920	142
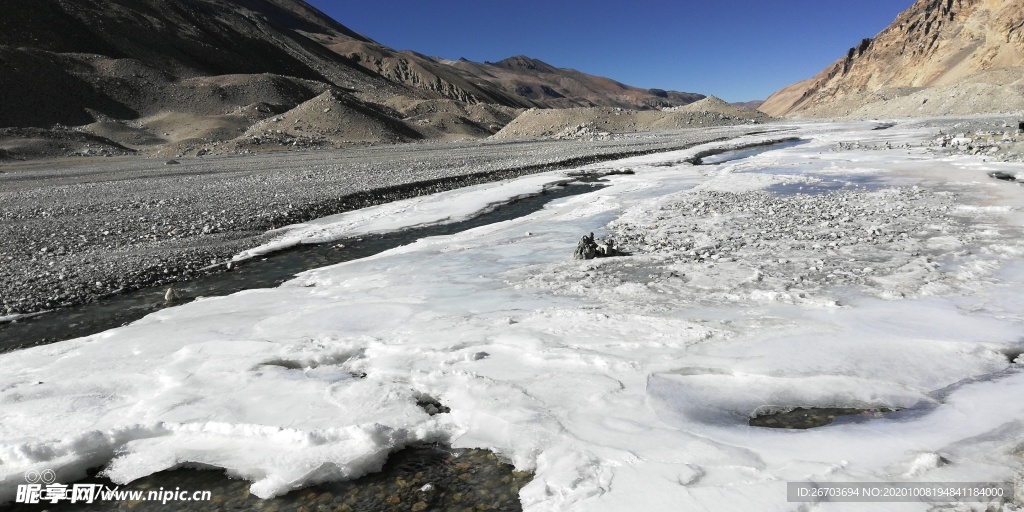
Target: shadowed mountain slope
183	77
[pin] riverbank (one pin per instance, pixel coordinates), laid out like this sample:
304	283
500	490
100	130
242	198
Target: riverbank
878	277
73	234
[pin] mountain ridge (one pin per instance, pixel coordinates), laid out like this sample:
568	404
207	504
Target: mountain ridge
930	50
208	76
517	81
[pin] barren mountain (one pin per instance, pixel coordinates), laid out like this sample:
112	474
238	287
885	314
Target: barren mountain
516	81
754	104
180	77
550	87
422	72
184	73
603	122
937	57
126	58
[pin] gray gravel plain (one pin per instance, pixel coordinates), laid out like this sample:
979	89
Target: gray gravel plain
75	231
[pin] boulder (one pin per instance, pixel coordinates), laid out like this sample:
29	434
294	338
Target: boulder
607	248
1000	175
588	248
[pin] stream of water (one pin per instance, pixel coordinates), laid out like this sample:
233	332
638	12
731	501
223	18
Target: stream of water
121	309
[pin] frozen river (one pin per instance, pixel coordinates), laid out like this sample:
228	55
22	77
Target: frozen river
883	280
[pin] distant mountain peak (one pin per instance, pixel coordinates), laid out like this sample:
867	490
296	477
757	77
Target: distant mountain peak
526	63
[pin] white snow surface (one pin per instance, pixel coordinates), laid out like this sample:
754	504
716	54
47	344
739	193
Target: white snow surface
624	383
449	206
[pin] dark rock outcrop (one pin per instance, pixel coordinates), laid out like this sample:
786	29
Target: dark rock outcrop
588	248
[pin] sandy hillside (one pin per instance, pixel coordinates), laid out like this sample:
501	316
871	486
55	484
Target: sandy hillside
598	122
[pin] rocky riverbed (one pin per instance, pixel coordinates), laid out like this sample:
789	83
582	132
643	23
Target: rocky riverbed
776	235
712	247
889	240
72	232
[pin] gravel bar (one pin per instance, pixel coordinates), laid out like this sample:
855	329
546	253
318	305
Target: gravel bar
75	231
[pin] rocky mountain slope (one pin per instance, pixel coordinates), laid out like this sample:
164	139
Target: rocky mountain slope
186	77
754	104
549	87
518	81
601	123
184	73
938	57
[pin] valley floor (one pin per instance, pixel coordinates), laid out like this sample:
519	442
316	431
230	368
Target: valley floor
860	269
73	231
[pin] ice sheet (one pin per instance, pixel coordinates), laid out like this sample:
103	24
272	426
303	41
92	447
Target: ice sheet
449	206
624	383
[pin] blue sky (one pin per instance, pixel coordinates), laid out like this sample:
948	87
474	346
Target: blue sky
736	49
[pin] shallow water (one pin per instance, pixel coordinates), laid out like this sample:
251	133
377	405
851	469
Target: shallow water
422	478
121	309
739	154
825	184
817	184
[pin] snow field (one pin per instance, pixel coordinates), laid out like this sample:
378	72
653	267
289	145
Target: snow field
624	383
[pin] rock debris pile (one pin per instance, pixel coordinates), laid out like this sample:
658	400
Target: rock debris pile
999	139
980	143
842	238
600	123
57	141
705	246
581	132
